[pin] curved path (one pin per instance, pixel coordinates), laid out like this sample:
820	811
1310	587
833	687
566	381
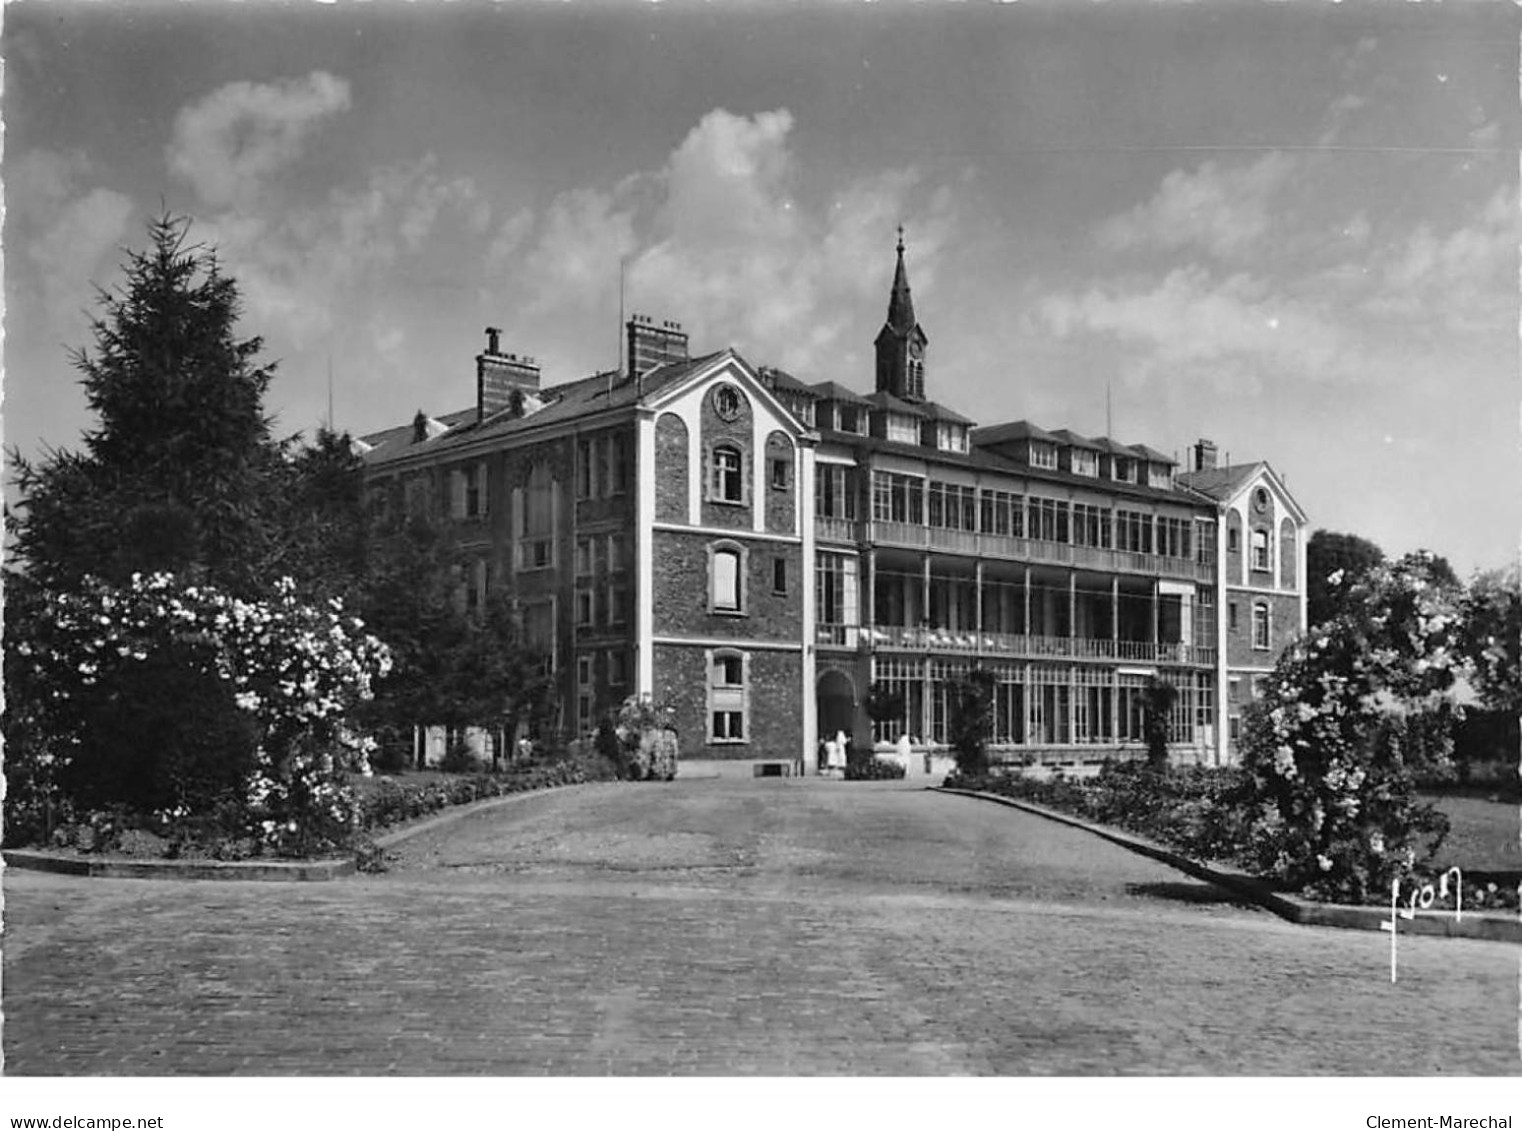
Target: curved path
728	927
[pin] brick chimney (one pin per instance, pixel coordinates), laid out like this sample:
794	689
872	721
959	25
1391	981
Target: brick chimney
653	344
499	375
1204	455
420	427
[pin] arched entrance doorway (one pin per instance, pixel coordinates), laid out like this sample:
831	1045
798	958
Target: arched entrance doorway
836	700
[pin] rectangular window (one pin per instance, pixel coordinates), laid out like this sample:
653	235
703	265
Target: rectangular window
726	696
583	557
779	474
584	670
1085	462
1043	455
583	469
727	483
728	670
1231	616
618	668
1260	549
728	726
617	605
1260	626
620	464
725	593
835	491
1125	470
586	607
617	553
779	575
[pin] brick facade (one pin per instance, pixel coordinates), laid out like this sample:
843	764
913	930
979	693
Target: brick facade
737	434
772	691
681	588
671	470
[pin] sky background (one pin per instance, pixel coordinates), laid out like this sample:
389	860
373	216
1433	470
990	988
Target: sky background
1290	228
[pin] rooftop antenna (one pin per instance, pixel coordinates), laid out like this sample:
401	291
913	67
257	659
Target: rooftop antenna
330	391
618	364
1109	424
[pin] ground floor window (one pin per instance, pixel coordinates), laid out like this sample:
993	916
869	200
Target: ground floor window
728	694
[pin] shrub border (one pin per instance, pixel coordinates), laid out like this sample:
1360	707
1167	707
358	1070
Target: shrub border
1294	909
123	868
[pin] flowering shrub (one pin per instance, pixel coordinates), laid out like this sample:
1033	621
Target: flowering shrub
647	733
873	769
1196	809
177	699
1352	714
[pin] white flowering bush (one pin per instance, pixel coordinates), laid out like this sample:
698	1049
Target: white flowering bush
181	701
1353	714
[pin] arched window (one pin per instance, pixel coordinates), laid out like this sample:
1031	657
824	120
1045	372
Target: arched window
727	479
1260	625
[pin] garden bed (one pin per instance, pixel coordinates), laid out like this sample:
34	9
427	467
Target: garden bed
1195	811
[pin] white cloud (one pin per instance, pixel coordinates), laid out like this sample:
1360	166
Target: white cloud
70	235
1463	281
720	240
1192	325
297	268
1222	209
233	140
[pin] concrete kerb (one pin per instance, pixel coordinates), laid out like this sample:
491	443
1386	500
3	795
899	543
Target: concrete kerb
122	868
1490	927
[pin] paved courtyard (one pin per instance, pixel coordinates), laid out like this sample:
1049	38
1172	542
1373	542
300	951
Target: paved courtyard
735	927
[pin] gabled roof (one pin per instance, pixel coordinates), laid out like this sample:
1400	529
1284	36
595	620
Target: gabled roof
1116	448
1074	440
886	400
935	411
785	382
830	391
597	393
1153	455
1220	483
1008	433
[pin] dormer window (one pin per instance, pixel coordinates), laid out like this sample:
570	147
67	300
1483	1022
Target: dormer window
1125	470
951	438
1085	462
1043	454
901	429
1158	476
849	418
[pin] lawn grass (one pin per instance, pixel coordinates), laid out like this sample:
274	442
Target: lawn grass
1485	834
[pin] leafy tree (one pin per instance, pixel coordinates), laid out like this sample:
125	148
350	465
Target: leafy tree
1345	557
1491	637
173	477
1158	699
884	705
327	528
971	722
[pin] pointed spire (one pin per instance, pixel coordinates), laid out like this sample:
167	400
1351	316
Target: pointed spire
900	306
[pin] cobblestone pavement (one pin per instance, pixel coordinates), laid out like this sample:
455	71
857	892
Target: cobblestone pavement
786	927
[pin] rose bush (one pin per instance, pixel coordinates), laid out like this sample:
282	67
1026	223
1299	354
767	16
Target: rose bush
177	699
1352	715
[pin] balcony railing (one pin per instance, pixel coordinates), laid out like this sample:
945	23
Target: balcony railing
837	529
913	535
1029	645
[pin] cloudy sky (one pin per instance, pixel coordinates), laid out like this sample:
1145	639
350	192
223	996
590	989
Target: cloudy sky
1291	228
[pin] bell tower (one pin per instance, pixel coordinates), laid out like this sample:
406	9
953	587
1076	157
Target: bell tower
901	342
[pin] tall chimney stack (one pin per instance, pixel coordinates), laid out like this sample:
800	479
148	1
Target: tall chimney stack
653	344
499	375
1204	455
